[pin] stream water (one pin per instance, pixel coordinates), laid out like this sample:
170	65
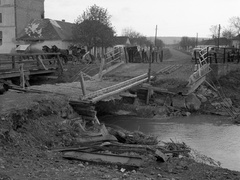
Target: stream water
213	136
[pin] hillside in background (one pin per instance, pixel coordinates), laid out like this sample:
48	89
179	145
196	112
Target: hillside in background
171	39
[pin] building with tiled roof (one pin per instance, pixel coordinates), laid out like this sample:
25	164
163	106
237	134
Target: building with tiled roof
47	29
48	32
122	40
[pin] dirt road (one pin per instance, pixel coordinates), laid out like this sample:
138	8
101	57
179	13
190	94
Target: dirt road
178	58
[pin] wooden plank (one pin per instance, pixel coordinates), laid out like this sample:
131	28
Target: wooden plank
133	161
96	139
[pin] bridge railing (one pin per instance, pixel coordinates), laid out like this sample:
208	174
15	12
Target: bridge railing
114	87
11	62
112	57
201	70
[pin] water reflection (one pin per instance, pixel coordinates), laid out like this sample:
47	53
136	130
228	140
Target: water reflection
213	136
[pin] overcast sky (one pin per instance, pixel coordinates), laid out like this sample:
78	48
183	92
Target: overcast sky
173	17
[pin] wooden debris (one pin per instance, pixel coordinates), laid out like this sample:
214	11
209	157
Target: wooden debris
160	156
157	89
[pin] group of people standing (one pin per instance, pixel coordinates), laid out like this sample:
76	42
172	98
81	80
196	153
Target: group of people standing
142	55
156	55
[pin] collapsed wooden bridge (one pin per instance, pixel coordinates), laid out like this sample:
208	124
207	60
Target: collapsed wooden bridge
125	85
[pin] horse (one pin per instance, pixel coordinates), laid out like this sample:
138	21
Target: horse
74	51
64	53
78	53
88	58
46	49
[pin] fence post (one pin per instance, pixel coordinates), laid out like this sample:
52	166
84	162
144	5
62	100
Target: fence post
161	60
126	55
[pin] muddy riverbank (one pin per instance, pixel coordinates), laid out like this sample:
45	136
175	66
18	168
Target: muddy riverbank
210	135
34	124
29	134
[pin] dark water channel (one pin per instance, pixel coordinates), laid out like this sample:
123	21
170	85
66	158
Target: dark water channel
213	136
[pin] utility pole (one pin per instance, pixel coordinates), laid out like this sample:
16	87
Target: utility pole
219	29
197	40
155	42
150	57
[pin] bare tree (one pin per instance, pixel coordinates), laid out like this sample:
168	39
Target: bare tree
129	32
235	24
186	42
228	33
136	37
214	31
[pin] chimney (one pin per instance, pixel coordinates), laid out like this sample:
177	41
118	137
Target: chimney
63	20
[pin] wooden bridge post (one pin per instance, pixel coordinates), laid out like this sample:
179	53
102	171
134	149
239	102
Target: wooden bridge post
36	59
82	84
224	55
13	62
22	78
148	95
101	68
150	64
60	65
208	55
